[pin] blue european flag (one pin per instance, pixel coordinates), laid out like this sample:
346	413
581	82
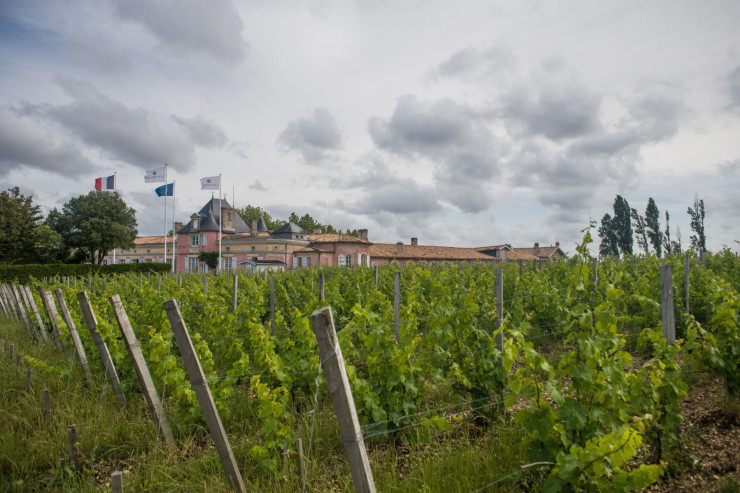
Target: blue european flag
167	190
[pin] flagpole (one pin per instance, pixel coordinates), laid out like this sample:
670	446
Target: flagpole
220	222
165	213
173	227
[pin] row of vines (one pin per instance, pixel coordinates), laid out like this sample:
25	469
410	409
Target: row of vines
585	370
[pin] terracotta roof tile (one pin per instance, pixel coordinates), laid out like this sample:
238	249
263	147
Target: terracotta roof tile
336	238
427	252
151	240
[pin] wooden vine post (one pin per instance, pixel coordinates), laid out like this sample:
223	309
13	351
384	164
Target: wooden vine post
142	371
51	311
686	268
92	325
666	301
330	354
203	393
36	314
499	310
79	348
397	305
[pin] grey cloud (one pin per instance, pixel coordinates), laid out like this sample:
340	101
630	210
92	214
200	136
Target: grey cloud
556	112
190	26
313	137
376	174
730	168
454	137
25	141
402	196
201	131
733	87
471	63
257	186
135	136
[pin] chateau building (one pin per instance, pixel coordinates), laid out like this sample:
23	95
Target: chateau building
254	248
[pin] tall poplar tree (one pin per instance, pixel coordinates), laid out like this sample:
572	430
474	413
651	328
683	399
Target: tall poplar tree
608	246
622	224
652	223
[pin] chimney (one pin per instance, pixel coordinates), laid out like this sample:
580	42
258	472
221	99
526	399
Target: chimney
399	248
317	231
537	249
363	234
254	227
178	226
557	243
229	219
414	241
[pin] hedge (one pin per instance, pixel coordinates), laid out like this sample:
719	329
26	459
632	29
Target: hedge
23	273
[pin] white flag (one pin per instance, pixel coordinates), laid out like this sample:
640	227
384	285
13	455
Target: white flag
210	183
154	175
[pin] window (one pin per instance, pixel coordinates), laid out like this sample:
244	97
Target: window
203	240
341	260
363	260
349	261
195	240
308	262
192	265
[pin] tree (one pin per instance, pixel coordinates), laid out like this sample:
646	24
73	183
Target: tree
698	240
640	230
652	223
95	223
608	246
48	245
250	213
18	218
622	225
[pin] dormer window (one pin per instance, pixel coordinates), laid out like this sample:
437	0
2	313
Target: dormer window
195	224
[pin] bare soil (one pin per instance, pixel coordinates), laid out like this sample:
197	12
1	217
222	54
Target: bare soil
709	458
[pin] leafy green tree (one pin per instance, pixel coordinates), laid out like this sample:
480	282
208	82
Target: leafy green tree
95	223
622	224
18	218
608	246
652	223
698	240
640	230
48	245
667	235
250	213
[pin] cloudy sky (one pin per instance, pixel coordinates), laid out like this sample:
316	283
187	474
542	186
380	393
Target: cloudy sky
463	123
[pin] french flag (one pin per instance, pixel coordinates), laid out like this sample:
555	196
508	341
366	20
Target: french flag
105	183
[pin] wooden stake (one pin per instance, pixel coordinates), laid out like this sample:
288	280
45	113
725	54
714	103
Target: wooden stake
686	269
205	286
596	271
397	306
79	349
92	326
203	393
142	371
341	397
301	462
21	310
321	286
499	310
46	404
272	305
74	452
666	301
116	482
51	311
36	314
28	379
235	296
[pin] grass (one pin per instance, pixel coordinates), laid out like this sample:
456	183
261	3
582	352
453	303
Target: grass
34	450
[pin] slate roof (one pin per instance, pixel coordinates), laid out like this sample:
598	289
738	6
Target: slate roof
288	228
427	252
261	226
210	216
